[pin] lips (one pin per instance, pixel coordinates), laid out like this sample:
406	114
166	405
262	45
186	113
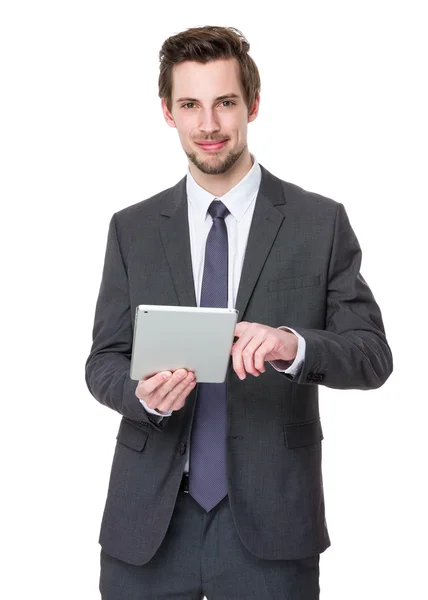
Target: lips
212	145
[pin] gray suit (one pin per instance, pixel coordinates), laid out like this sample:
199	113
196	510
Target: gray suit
301	269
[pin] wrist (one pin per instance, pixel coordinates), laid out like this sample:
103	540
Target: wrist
290	347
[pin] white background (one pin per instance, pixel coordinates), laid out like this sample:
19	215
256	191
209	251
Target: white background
343	113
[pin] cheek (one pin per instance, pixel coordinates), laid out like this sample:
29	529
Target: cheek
237	128
185	131
183	124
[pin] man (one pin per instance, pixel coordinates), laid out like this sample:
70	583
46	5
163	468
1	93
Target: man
216	489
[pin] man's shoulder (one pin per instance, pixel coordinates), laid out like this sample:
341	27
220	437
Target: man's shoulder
298	197
149	207
296	194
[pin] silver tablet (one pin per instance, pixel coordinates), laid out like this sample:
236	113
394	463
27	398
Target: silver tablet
167	338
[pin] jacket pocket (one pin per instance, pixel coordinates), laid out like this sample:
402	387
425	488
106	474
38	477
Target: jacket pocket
132	436
303	434
290	283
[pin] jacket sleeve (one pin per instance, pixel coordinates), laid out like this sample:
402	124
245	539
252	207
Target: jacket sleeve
108	364
352	351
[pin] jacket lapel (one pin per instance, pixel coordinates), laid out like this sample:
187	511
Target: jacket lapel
175	235
264	227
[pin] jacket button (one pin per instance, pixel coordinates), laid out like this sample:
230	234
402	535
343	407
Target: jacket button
321	376
182	448
310	376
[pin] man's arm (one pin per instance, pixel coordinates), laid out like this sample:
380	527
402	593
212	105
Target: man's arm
352	351
107	366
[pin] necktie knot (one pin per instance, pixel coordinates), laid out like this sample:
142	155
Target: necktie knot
218	209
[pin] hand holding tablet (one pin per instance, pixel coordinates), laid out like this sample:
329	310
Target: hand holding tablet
166	391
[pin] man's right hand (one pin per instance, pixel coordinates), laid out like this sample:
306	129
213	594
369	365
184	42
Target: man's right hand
166	390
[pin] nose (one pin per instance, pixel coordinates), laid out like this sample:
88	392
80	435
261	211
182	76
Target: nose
208	122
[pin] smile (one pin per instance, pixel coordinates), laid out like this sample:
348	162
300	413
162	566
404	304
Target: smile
212	147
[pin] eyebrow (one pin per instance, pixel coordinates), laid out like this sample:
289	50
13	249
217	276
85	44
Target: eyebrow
224	97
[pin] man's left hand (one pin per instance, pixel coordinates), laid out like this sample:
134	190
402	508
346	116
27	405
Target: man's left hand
259	343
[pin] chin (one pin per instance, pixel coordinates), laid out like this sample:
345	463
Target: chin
214	165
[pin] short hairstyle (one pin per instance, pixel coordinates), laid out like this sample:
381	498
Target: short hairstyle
205	44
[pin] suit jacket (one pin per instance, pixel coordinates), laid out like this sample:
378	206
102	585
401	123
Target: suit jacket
301	269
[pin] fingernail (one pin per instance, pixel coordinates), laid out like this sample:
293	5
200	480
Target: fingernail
167	375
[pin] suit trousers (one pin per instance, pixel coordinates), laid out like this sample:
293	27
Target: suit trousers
202	555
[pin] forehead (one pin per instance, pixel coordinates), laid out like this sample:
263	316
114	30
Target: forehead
207	80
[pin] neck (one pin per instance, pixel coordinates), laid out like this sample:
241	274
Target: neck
219	185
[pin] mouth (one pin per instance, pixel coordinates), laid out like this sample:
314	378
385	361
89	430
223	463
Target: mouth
212	146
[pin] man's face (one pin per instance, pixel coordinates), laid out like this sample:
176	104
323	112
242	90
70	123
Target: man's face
208	106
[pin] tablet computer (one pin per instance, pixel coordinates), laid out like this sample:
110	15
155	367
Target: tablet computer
167	338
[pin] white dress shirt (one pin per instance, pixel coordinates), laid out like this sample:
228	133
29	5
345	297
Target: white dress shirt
240	201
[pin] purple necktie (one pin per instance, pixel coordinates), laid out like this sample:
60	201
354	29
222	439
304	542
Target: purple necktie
207	467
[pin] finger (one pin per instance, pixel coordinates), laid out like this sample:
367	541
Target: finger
176	392
237	359
175	396
181	400
260	355
240	328
162	391
148	385
248	355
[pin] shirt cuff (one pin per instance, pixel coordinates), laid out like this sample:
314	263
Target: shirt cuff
152	411
291	367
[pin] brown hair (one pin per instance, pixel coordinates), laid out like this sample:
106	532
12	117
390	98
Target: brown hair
205	44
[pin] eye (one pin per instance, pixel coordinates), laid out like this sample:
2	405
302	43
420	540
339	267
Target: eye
189	105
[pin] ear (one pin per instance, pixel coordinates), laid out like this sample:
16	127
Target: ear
255	109
167	115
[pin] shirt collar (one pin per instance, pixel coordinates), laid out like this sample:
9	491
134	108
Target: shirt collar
237	200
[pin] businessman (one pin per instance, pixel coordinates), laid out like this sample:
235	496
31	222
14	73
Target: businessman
216	489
